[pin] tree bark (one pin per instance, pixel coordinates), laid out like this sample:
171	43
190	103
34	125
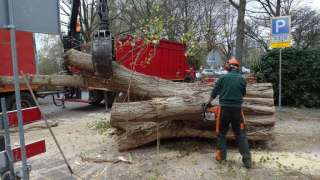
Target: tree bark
142	134
240	29
241	7
278	8
177	108
124	79
58	80
48	80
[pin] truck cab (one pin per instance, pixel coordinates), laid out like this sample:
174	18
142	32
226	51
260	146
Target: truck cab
26	62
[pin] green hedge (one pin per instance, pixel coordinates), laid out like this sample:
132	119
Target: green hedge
300	75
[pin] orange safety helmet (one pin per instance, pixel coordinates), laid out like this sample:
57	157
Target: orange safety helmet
232	62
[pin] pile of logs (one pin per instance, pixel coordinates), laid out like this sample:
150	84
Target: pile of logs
170	109
173	109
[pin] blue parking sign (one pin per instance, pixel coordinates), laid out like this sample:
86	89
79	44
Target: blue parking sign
281	25
280	32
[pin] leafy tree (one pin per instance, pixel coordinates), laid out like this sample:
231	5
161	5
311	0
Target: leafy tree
50	55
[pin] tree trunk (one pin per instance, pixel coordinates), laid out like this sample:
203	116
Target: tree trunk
177	108
58	80
240	29
124	79
278	8
144	133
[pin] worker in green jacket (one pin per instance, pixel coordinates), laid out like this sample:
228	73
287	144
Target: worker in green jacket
231	89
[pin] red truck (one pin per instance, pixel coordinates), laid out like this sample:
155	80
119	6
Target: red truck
165	60
26	61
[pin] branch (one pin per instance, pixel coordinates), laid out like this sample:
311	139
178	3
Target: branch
271	9
64	11
256	12
264	5
235	5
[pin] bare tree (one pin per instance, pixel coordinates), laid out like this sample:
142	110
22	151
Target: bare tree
270	7
241	7
88	18
212	22
306	31
50	54
227	36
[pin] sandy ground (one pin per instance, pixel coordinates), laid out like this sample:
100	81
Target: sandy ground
293	154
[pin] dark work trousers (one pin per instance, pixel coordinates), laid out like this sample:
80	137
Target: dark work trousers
2	143
233	116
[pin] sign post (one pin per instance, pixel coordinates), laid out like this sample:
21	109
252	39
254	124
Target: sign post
280	38
25	170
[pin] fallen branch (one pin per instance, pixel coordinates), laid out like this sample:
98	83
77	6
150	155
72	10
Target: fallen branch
97	160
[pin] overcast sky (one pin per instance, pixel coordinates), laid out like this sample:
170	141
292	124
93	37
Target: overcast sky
314	4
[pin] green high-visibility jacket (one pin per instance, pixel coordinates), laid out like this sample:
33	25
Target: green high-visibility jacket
231	89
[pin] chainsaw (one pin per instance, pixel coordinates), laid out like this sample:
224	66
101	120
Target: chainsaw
209	113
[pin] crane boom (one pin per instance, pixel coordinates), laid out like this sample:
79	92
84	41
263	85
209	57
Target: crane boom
102	46
103	11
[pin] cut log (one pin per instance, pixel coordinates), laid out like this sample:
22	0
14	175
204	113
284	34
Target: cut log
124	79
138	130
266	121
175	108
58	80
48	80
145	133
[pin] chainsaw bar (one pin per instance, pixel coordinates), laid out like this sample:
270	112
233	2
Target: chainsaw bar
208	116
